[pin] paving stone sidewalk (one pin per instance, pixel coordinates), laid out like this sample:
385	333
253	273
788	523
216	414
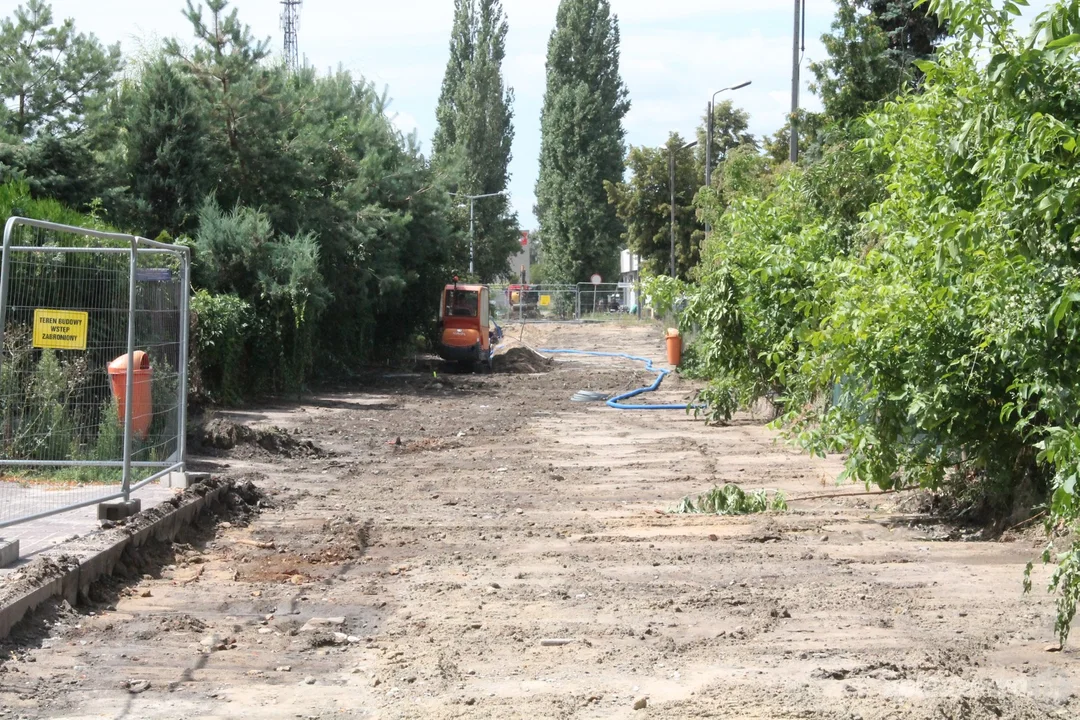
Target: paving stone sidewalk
51	532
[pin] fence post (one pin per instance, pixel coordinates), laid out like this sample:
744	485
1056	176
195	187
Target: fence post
182	360
129	380
5	272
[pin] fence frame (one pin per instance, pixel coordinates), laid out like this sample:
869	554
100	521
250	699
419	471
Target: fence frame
573	293
499	293
622	289
136	246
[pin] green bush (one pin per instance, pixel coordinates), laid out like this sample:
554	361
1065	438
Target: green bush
15	199
923	323
164	388
109	442
733	500
222	327
767	274
46	432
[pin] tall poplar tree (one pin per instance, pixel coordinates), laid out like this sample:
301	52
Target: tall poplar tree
581	143
475	131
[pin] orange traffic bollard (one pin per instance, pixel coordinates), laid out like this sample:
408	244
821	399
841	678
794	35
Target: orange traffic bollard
142	402
674	346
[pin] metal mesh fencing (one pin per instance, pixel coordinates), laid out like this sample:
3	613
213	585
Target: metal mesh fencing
78	308
534	303
605	301
515	303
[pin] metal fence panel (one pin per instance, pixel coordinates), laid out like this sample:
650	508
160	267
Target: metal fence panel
513	303
72	301
534	303
605	301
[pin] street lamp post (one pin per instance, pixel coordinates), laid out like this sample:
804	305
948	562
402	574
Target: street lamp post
709	130
472	230
671	169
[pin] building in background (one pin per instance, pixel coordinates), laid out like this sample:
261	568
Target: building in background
521	266
521	263
630	277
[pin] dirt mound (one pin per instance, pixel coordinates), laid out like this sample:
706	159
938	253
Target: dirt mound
522	360
220	434
245	500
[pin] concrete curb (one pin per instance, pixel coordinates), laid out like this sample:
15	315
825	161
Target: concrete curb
98	562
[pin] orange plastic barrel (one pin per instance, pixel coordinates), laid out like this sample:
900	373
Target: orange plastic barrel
674	346
142	401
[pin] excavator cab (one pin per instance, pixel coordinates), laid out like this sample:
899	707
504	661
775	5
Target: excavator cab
467	333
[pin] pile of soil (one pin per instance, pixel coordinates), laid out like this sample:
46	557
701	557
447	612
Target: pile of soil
245	500
220	434
522	360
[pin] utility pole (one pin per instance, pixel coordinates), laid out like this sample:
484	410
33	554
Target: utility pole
472	226
472	234
709	141
290	25
709	133
671	169
793	150
671	175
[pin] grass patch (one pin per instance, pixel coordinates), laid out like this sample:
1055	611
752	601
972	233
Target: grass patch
733	500
62	478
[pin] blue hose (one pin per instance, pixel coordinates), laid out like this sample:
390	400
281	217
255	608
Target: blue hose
616	402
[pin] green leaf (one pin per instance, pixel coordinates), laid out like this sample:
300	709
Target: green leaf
1067	41
1069	486
1025	170
997	63
1050	205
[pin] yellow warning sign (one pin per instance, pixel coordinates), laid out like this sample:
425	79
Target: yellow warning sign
60	329
545	300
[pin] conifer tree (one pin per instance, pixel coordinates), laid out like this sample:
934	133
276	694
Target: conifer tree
50	76
249	108
169	154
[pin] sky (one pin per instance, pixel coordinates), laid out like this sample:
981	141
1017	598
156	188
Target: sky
675	54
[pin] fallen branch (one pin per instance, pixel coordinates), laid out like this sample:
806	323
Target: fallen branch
193	578
843	494
264	545
1025	522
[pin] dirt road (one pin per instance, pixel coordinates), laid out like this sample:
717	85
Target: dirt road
444	526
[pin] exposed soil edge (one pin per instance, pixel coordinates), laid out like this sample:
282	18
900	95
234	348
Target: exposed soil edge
69	577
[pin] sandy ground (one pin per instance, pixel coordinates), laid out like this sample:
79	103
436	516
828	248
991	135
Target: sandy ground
418	579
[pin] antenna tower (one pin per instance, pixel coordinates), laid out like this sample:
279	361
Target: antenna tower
290	23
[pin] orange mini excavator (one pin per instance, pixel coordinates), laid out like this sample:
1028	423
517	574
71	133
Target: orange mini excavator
467	333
